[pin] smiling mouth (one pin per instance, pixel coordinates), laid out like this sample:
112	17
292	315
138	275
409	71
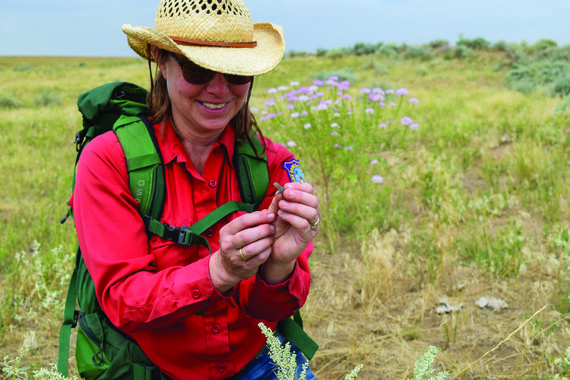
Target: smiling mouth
214	106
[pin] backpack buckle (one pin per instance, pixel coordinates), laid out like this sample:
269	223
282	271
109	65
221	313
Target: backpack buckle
182	236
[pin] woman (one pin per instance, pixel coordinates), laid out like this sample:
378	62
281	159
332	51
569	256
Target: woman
195	314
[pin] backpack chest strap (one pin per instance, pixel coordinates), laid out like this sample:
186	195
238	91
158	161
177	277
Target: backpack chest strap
192	235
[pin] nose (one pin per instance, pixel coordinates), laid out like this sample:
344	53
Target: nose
218	85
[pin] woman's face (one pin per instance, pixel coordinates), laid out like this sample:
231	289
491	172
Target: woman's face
204	108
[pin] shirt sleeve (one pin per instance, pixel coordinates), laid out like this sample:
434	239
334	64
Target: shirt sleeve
114	244
279	301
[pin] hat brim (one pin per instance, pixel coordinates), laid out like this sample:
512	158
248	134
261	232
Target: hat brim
262	58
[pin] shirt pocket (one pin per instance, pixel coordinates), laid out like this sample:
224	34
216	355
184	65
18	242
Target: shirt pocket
169	254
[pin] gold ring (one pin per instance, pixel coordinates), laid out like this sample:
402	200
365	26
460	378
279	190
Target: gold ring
242	256
314	225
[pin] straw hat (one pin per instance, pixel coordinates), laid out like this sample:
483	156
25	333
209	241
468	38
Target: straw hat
215	34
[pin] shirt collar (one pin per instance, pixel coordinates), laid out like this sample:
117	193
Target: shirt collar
172	149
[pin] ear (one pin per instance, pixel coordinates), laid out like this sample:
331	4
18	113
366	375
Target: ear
161	66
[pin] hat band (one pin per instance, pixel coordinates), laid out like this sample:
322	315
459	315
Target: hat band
189	42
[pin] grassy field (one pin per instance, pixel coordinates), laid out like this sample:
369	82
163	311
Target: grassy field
451	230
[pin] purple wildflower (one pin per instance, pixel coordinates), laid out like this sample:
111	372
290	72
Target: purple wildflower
374	162
290	106
414	101
365	91
334	133
272	91
414	126
318	83
390	91
347	96
377	179
406	120
369	110
270	102
382	125
402	91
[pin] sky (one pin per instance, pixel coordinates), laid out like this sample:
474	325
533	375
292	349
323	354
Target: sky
93	27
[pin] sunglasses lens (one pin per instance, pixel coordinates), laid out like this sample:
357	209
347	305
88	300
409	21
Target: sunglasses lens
238	79
196	74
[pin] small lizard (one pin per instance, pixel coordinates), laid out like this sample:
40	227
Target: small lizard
280	189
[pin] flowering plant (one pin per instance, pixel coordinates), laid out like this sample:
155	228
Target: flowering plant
341	135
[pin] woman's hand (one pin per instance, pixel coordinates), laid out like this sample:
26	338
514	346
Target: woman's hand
245	244
297	223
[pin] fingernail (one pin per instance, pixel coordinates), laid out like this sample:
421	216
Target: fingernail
270	215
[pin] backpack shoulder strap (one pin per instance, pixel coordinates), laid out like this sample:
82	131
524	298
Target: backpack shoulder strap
251	171
144	163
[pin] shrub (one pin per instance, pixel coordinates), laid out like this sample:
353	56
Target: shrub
544	44
500	45
462	52
363	48
438	44
10	101
321	52
294	53
516	54
478	43
22	68
416	51
562	86
387	50
337	53
47	99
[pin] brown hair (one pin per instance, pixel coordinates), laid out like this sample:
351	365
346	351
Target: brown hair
159	106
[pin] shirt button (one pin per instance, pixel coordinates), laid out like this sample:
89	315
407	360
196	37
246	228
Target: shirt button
221	367
209	232
216	329
196	293
213	183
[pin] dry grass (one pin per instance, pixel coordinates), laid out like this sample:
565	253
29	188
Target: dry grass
385	319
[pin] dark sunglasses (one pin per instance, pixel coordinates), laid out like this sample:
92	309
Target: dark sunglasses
195	74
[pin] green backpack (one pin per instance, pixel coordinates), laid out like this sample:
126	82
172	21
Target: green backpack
102	350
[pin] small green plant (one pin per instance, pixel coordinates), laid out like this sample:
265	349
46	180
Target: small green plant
48	99
423	369
286	361
12	370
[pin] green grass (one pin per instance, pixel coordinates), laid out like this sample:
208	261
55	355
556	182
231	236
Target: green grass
477	195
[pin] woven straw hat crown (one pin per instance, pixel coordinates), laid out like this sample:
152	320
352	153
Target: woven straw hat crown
215	34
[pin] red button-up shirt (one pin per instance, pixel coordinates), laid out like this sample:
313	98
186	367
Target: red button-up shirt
152	289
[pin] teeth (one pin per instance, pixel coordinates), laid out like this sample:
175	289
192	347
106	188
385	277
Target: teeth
214	106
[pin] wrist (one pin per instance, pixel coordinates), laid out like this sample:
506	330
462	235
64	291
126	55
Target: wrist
275	273
221	280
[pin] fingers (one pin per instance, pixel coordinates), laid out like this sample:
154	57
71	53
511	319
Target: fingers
250	233
299	206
